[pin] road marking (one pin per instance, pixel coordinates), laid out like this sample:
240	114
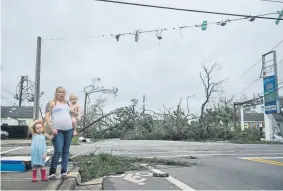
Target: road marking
135	179
173	180
15	179
262	157
117	176
211	154
265	161
144	174
200	151
21	158
11	150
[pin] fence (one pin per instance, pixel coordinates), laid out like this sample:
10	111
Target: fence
16	131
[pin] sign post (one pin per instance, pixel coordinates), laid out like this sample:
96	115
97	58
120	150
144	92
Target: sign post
271	97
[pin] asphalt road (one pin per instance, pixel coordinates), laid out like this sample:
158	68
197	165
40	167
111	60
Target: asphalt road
221	166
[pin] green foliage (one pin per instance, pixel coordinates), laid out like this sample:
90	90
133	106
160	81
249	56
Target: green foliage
103	164
75	140
217	125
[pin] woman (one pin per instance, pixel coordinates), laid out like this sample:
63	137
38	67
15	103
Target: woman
61	126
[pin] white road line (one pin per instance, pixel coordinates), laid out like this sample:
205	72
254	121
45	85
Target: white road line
211	154
11	150
174	181
261	157
152	152
12	179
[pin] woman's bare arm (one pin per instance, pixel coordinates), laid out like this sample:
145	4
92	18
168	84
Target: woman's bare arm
47	115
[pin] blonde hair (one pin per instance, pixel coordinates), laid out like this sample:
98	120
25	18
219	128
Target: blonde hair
55	97
32	128
73	95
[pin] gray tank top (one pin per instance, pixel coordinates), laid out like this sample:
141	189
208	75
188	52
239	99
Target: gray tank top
61	118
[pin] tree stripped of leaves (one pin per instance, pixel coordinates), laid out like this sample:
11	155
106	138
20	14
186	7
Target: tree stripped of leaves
210	87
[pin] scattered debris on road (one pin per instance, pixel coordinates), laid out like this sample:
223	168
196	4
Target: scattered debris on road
102	164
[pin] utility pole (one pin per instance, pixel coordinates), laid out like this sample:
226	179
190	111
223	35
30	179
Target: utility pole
85	109
21	90
242	119
143	108
37	80
245	104
135	102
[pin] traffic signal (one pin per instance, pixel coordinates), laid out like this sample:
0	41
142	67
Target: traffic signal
279	17
204	25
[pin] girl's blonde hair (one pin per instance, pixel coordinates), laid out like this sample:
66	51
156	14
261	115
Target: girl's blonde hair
32	128
73	95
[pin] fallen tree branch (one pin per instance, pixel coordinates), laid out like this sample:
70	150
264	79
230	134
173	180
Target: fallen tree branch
97	120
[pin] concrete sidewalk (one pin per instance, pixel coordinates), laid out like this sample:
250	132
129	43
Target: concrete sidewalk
15	142
22	181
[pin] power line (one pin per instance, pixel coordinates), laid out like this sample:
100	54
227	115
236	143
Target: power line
243	90
273	1
279	62
157	31
252	67
187	10
274	90
8	91
3	97
256	81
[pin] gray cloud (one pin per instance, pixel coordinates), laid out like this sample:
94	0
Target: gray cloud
164	73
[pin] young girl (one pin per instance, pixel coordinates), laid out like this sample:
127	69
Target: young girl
38	149
75	111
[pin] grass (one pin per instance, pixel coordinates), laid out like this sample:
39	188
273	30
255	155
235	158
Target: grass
100	165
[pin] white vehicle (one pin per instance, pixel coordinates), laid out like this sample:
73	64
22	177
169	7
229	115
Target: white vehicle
4	134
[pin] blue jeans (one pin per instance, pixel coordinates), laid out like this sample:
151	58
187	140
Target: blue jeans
61	143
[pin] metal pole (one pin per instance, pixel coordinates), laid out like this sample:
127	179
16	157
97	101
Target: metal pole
242	119
276	83
235	117
37	80
21	90
143	111
85	109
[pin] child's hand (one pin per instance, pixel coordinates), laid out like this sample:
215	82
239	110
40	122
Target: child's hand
75	133
54	132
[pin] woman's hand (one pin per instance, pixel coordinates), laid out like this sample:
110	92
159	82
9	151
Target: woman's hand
54	131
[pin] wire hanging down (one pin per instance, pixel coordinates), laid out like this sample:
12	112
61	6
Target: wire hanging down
188	10
137	33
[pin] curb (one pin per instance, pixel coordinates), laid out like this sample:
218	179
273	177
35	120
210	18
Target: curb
14	144
54	184
74	179
70	183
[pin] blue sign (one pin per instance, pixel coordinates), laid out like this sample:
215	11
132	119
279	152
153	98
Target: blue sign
270	94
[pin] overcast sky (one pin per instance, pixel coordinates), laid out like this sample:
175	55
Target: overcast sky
164	71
